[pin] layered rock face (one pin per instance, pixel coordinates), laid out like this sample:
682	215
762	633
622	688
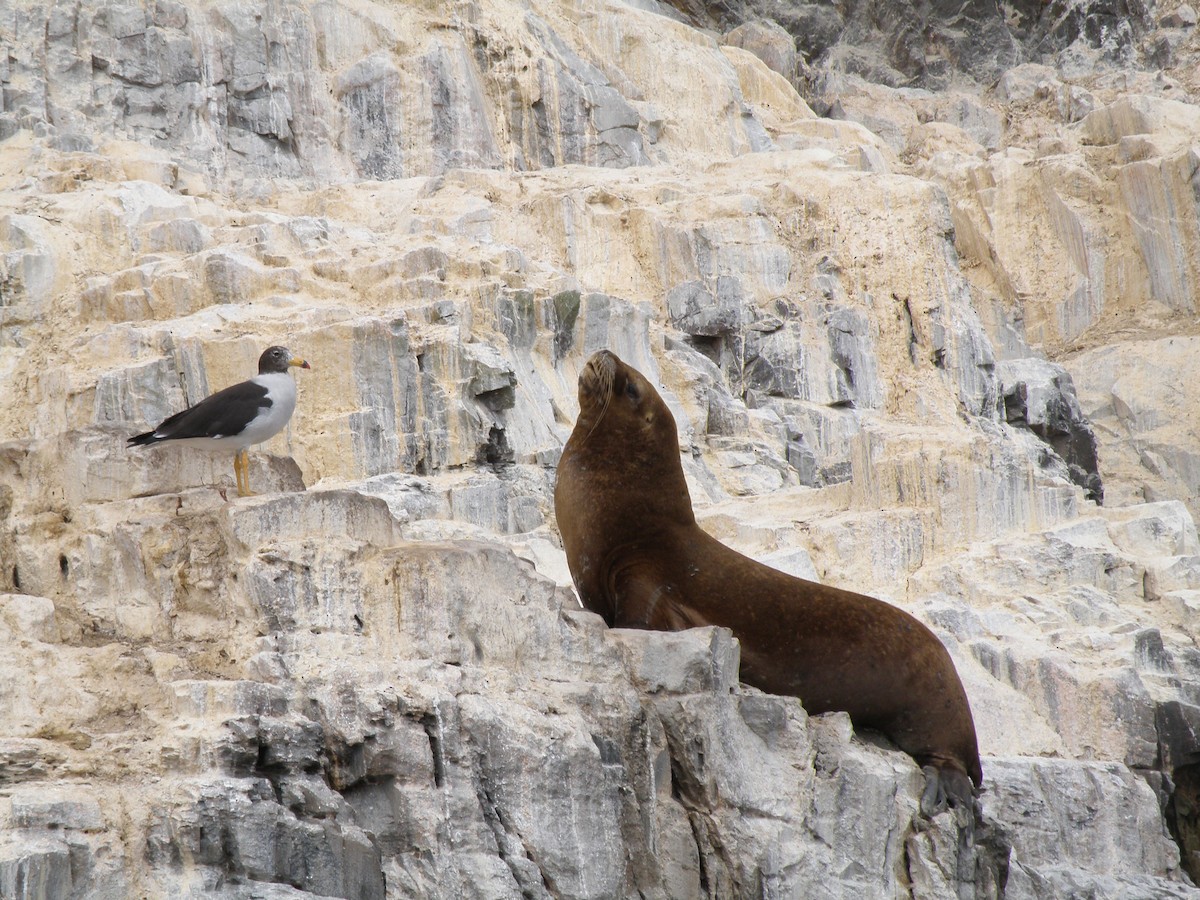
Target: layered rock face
935	344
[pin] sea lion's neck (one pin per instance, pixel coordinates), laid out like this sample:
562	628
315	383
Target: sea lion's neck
647	480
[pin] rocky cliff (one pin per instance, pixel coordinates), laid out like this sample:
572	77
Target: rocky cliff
918	282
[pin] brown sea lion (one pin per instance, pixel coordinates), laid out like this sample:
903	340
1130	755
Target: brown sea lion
639	559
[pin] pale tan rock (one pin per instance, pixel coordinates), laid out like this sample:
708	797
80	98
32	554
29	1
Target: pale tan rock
386	675
768	91
28	618
1137	393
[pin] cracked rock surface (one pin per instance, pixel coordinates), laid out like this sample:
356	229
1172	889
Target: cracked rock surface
925	317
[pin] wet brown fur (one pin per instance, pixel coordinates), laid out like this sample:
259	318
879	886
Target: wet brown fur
639	559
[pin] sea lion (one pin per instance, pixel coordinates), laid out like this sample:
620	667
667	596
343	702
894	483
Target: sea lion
639	559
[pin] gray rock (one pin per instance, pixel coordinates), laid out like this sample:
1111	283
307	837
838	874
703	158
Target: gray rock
37	810
25	760
371	96
700	660
233	828
40	868
1047	853
826	434
1040	396
1183	16
460	136
903	44
236	93
1024	83
965	112
697	312
786	356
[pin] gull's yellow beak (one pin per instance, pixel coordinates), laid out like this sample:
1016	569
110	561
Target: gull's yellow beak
297	361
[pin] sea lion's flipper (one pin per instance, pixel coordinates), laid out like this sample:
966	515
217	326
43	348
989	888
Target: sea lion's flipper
644	599
946	786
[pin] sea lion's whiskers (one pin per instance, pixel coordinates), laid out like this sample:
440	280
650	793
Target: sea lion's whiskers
604	377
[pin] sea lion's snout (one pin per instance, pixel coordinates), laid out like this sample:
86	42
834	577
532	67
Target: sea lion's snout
596	386
597	376
601	363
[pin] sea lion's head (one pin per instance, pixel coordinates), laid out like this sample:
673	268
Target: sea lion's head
618	398
625	446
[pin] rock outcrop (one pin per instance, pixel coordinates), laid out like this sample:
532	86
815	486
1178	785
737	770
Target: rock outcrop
934	344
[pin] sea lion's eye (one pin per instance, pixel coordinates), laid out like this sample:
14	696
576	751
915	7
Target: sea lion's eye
631	390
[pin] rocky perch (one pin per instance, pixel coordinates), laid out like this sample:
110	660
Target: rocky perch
924	316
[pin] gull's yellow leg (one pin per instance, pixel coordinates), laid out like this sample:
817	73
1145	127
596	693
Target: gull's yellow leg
241	466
